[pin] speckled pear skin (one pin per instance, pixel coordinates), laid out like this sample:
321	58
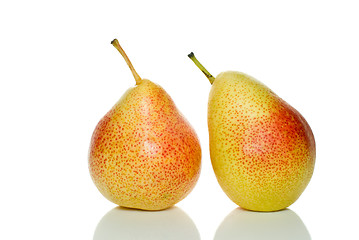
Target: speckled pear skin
262	149
143	153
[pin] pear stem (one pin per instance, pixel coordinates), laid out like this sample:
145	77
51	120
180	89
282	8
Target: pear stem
117	45
200	66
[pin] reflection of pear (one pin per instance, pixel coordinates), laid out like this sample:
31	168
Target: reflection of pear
243	224
123	223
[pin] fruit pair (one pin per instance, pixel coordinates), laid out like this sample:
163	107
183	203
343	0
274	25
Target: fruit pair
145	155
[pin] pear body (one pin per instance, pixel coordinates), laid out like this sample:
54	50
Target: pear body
143	152
262	149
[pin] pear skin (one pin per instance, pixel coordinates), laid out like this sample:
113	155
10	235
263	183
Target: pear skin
262	149
143	153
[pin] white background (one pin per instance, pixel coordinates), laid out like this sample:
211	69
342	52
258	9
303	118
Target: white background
60	74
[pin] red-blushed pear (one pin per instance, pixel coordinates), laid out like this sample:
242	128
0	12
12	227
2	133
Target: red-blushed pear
262	149
143	153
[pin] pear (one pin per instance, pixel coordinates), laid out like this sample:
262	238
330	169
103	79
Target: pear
262	149
143	153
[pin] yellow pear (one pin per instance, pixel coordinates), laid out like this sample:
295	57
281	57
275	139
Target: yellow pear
143	153
262	149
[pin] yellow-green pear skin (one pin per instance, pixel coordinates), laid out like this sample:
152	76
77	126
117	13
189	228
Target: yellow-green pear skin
144	154
262	149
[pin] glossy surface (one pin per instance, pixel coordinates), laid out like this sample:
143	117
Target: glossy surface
262	149
128	224
281	225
